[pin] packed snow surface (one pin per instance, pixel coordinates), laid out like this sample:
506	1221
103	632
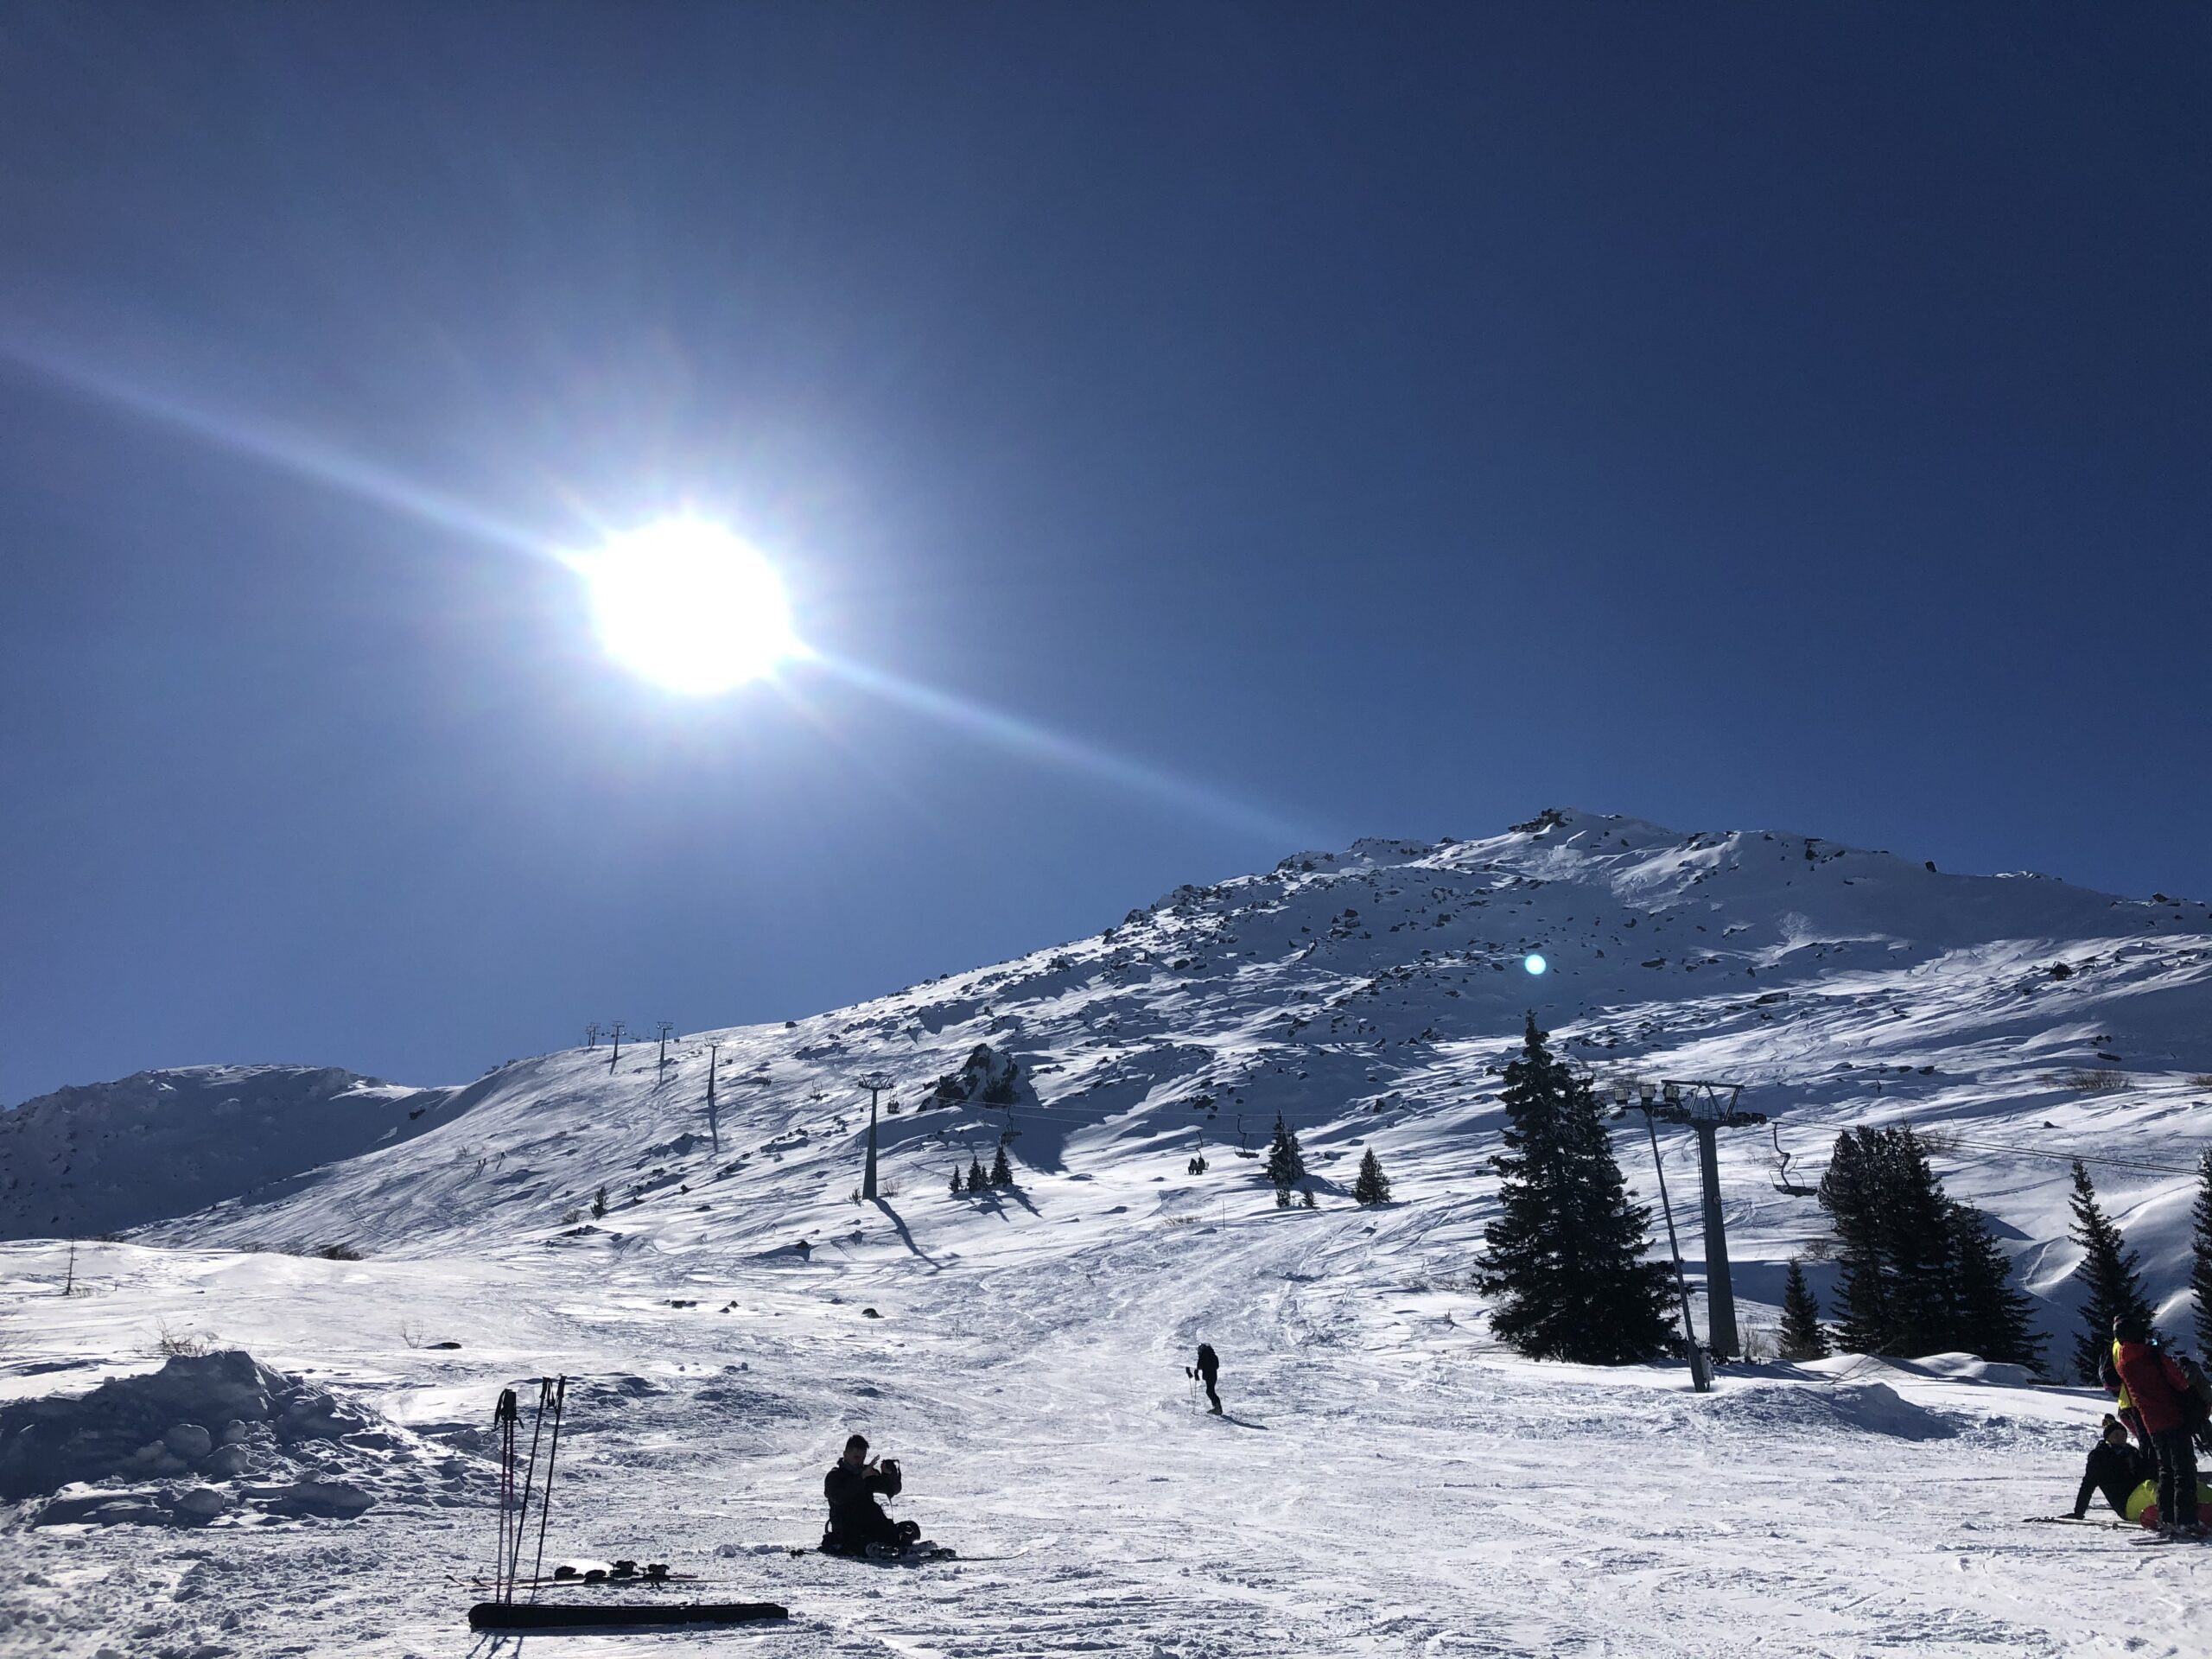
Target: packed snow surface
1387	1480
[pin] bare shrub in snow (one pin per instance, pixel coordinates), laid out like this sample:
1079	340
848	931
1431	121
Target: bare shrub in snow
2094	1081
180	1344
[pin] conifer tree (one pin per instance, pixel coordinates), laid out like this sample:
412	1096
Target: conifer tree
1565	1258
1801	1336
1920	1273
1898	1243
1372	1186
2200	1266
976	1179
2112	1272
1286	1163
956	1188
1990	1314
1001	1171
599	1204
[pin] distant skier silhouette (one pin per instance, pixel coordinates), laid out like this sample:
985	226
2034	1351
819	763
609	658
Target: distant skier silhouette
1208	1368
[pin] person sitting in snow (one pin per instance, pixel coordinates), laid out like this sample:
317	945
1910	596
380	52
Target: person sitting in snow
2115	1468
857	1523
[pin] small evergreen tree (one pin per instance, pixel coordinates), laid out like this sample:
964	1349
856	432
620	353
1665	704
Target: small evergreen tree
2200	1265
599	1204
1565	1258
956	1188
1001	1171
1286	1163
2113	1273
1372	1186
1801	1336
976	1179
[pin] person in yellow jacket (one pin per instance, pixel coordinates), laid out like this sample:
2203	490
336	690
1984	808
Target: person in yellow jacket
2123	1407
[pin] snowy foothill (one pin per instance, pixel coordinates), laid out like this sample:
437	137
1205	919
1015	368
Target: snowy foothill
1387	1478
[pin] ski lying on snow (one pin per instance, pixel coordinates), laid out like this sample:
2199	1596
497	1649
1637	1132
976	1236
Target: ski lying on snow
551	1616
626	1582
905	1558
2082	1521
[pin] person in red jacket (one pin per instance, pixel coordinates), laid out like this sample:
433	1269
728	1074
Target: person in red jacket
2158	1389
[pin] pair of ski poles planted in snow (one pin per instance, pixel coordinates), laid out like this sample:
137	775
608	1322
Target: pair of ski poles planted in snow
514	1516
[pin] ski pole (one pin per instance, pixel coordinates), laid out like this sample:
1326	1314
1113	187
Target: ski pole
545	1497
529	1479
503	1417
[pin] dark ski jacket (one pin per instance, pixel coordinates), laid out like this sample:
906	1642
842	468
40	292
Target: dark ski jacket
2115	1470
2154	1382
1208	1365
856	1520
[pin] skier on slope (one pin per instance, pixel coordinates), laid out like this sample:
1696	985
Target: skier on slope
2160	1392
858	1525
2115	1469
1207	1369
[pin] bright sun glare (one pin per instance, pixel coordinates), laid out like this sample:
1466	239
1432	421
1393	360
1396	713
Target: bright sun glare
688	606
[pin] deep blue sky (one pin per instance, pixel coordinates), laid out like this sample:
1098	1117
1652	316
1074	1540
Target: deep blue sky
1393	419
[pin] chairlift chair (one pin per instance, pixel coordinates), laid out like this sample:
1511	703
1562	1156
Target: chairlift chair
1783	1183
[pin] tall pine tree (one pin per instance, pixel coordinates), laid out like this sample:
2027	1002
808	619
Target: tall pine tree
1990	1315
2200	1267
1286	1163
1801	1336
2113	1274
1001	1171
1920	1274
1565	1258
1895	1241
976	1179
1372	1185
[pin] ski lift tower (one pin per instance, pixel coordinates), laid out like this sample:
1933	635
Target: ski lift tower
1707	1108
1645	1101
875	1083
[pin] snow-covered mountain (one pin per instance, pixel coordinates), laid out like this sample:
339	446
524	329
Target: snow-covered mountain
106	1156
1369	997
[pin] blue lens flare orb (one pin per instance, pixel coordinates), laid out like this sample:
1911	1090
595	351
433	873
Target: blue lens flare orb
1534	962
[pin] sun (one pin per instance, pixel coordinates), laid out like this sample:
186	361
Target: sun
690	606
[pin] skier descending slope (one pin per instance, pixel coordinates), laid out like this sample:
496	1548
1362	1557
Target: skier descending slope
1208	1368
858	1525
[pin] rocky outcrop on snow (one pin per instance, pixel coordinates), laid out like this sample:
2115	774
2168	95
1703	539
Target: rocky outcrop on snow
209	1438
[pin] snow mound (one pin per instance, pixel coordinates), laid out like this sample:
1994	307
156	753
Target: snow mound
206	1438
1970	1368
1868	1408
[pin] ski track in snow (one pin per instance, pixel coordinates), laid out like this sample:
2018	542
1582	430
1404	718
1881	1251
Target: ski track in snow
1389	1481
